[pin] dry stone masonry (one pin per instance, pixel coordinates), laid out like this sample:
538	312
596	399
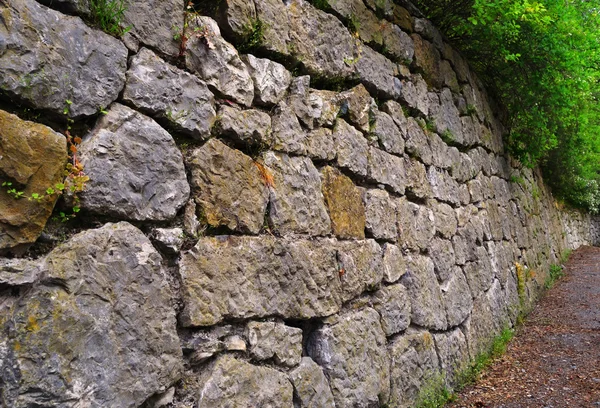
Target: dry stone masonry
296	206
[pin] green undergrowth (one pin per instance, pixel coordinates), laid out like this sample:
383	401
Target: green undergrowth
108	15
557	271
436	394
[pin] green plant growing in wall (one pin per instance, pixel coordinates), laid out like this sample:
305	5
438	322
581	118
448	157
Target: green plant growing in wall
353	24
109	14
75	182
253	36
447	136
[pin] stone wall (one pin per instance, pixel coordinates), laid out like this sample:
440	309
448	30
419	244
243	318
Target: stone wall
293	207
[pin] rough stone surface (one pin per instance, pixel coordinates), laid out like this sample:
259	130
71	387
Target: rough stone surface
314	107
169	240
445	219
359	265
170	94
398	43
296	200
358	106
442	254
344	204
417	185
380	215
320	144
275	340
351	148
389	136
424	293
417	143
416	225
250	127
76	63
444	187
457	298
427	60
479	273
16	272
102	311
414	93
155	23
267	276
387	169
33	158
342	347
310	385
413	363
298	29
229	382
243	204
394	265
271	80
136	171
220	65
288	136
393	305
453	354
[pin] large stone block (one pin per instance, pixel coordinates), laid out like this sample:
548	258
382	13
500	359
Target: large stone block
275	340
136	171
442	254
394	265
351	148
417	142
170	94
246	127
228	187
342	348
296	200
416	225
413	363
360	266
271	80
102	312
299	30
288	136
424	292
33	158
417	185
311	385
480	274
387	169
380	215
453	354
229	382
457	298
427	60
155	23
245	277
314	107
219	65
77	68
344	204
393	305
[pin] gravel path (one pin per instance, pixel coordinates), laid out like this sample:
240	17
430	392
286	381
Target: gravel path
554	360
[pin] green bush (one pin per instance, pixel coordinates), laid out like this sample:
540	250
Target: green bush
541	61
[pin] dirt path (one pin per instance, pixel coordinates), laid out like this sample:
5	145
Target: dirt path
554	360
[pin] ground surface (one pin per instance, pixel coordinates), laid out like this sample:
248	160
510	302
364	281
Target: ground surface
554	360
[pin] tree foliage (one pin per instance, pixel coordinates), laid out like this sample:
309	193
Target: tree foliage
541	60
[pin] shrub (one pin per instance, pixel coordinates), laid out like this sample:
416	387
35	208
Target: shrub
541	61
